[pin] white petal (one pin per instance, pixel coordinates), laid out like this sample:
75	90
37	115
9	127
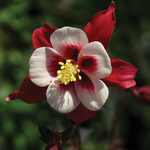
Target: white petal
68	41
92	93
94	60
61	97
43	66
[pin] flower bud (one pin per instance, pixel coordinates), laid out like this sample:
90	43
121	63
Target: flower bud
143	93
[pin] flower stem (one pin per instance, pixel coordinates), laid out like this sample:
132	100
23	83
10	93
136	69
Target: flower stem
79	136
115	120
73	141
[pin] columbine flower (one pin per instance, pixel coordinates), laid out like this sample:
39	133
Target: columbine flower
72	70
99	29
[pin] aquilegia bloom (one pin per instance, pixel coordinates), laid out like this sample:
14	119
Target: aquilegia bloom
71	68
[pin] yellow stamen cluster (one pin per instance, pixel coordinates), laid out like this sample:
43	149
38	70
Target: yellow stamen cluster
68	72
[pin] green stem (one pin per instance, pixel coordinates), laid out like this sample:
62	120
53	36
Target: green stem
73	141
115	120
79	136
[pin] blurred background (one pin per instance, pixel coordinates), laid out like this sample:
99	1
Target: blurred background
130	41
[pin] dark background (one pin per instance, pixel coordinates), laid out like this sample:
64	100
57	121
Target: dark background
130	42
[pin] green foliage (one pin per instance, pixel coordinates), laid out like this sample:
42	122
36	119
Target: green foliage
130	42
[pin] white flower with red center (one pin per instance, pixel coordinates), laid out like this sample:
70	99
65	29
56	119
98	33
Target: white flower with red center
72	70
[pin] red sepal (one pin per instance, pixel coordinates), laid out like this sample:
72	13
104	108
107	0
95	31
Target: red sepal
122	75
41	36
81	114
28	92
101	27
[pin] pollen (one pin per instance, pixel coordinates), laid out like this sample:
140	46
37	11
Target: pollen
68	72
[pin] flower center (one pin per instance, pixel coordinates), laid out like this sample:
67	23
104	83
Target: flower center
68	72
